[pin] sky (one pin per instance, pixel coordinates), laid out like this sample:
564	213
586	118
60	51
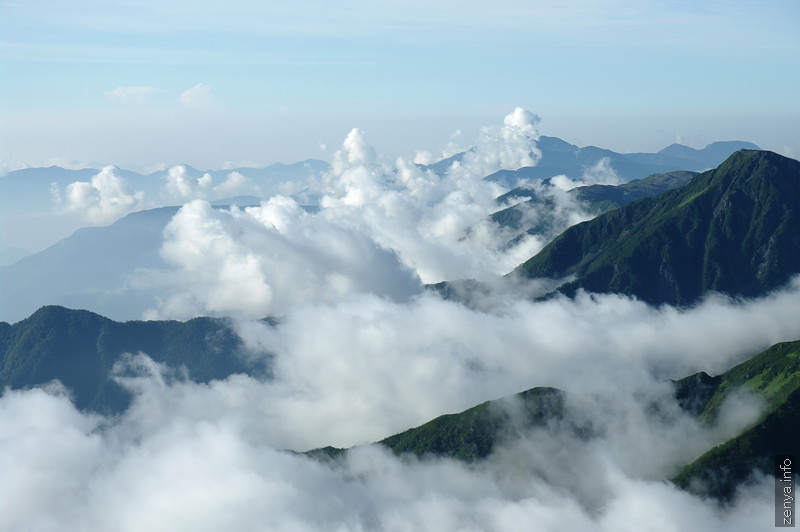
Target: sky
145	83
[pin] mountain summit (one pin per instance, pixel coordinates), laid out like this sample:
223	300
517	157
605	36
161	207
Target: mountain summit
733	229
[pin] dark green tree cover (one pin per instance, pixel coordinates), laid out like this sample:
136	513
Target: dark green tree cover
773	375
471	435
733	230
80	348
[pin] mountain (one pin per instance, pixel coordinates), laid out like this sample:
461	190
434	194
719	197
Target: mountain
31	219
240	201
80	349
709	157
562	158
12	255
473	434
83	350
774	376
90	269
593	199
731	230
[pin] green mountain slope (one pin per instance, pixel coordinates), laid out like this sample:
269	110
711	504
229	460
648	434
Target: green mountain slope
722	469
595	199
773	375
80	348
472	434
732	230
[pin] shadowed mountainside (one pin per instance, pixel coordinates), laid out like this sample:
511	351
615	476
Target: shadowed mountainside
80	349
731	230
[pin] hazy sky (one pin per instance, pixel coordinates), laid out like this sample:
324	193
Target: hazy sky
143	82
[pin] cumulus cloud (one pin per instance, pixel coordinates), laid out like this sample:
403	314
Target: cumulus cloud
436	223
552	209
181	186
131	95
263	259
102	200
359	352
374	215
198	96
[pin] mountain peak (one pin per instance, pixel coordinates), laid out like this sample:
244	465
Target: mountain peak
730	230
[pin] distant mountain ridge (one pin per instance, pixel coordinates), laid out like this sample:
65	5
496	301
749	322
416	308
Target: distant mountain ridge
593	199
34	209
562	158
731	230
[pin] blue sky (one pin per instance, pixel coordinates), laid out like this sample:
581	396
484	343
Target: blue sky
144	82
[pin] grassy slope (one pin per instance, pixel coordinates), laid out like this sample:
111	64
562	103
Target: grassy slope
471	435
733	230
774	375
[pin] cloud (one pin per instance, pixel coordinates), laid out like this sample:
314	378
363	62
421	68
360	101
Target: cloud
265	259
102	200
437	224
381	227
207	456
199	96
181	186
235	183
360	352
131	95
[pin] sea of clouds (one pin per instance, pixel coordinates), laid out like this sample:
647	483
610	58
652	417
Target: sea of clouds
361	351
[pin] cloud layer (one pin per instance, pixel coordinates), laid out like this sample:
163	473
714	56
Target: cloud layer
395	218
360	352
204	457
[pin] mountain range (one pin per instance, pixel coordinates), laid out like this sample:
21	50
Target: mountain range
94	267
562	158
83	351
773	375
87	353
27	195
553	214
731	230
31	218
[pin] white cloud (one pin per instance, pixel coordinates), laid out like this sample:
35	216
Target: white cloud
199	96
437	224
102	200
205	457
181	186
380	227
359	353
235	183
131	95
262	260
